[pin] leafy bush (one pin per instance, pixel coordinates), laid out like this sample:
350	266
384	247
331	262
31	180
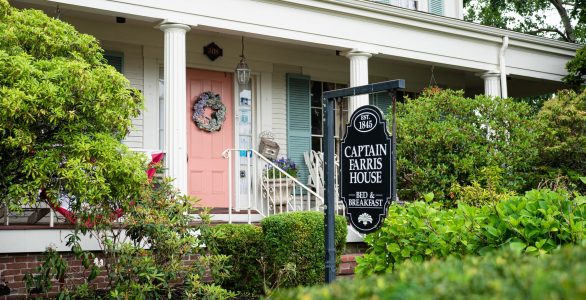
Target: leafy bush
147	261
445	138
243	243
162	235
288	251
63	112
535	223
298	239
501	275
563	143
53	268
576	70
486	192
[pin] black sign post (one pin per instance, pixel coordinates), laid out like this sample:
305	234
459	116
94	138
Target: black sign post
365	169
328	146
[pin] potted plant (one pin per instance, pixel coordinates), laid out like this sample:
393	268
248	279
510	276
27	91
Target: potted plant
278	185
284	164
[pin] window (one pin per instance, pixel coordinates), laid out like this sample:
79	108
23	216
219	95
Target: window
436	7
115	59
340	113
411	4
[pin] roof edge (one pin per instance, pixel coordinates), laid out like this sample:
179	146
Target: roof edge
433	19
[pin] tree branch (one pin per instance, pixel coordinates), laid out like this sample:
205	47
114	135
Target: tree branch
554	30
559	6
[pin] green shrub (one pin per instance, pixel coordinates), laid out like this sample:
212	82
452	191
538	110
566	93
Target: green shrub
535	223
501	275
478	195
576	70
485	192
53	269
243	243
63	113
160	234
297	239
445	138
563	143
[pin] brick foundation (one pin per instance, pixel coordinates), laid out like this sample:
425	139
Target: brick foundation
13	267
348	263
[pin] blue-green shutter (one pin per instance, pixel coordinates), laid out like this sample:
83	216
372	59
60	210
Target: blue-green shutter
298	121
436	7
116	60
382	101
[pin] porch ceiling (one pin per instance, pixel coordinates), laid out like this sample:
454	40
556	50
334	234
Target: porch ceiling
348	24
262	50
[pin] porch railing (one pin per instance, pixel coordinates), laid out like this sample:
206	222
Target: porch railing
264	188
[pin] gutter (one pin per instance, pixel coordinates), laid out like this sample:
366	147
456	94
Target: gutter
503	67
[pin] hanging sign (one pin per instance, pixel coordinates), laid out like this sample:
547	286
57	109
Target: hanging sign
365	169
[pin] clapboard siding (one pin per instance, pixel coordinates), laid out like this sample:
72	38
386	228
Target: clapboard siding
133	71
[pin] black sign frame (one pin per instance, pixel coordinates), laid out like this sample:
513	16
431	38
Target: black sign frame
369	148
328	99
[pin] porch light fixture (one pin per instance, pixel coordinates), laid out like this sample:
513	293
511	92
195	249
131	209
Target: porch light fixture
242	69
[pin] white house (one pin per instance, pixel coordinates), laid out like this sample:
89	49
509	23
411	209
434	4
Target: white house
295	49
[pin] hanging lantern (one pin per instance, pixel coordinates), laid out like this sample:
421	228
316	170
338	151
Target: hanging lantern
242	69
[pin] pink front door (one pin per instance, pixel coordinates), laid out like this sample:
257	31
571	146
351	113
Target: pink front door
207	169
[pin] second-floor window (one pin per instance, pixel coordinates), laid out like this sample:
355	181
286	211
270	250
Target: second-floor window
411	4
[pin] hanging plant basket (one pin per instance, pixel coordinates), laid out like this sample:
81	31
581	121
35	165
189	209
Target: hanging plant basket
218	116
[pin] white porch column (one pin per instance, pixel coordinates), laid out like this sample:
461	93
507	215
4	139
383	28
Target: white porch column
492	83
358	76
175	107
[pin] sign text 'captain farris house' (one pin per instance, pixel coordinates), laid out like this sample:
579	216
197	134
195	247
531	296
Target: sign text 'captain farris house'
365	169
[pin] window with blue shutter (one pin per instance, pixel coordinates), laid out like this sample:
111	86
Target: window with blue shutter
382	101
436	7
298	121
115	59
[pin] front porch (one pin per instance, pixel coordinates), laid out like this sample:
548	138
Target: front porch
293	60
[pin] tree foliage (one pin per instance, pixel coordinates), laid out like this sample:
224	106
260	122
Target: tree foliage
445	138
63	113
576	68
532	16
563	143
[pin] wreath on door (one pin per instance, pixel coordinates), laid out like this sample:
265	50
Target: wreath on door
218	116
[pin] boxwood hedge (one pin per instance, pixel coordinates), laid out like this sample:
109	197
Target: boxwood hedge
298	238
243	243
287	250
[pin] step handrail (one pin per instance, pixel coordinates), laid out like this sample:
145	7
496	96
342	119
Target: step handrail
227	153
224	154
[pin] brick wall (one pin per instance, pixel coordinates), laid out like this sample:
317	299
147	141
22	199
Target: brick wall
13	267
348	263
